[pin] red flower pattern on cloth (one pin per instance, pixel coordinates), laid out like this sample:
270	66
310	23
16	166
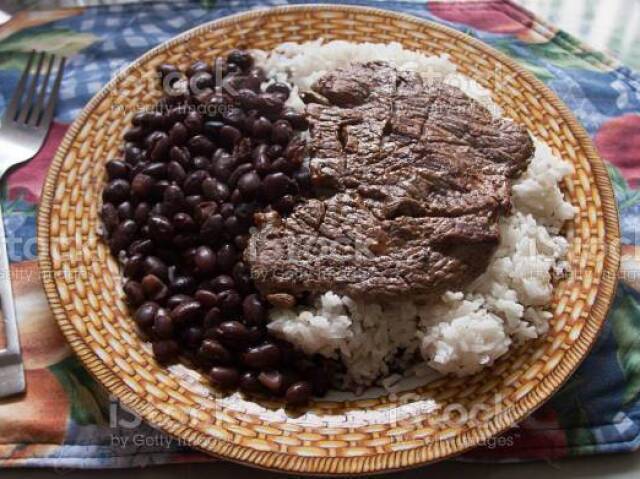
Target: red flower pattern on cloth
494	16
618	141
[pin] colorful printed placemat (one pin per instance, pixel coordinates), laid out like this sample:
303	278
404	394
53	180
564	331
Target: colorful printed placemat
67	420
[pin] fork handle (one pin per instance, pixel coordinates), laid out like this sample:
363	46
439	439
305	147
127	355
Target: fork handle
11	352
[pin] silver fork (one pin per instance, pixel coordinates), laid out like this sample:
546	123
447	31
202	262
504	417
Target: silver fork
24	127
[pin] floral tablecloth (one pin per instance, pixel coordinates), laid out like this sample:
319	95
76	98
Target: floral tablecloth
67	420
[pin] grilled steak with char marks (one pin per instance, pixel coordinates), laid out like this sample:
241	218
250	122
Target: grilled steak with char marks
410	179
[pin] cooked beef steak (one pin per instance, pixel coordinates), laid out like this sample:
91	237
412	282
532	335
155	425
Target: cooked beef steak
411	178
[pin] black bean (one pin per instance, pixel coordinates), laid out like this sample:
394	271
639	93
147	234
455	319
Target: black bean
203	210
256	335
233	227
284	205
205	259
116	191
175	172
142	185
275	185
297	119
212	128
176	299
134	292
117	169
163	325
249	185
186	311
184	223
269	104
262	164
110	218
234	117
201	82
139	119
249	383
160	228
183	284
212	351
265	356
230	135
222	282
237	174
253	310
212	318
236	197
272	380
201	163
241	241
239	270
156	169
247	98
274	151
208	299
155	120
223	165
181	155
224	377
178	134
298	394
165	350
192	201
226	257
134	134
216	190
192	336
227	209
145	314
212	228
123	236
159	187
176	114
244	212
281	164
132	154
194	121
232	333
193	182
258	74
134	265
200	145
141	213
154	288
230	302
183	241
241	58
160	149
281	132
154	265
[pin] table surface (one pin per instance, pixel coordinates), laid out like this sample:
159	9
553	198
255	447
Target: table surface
611	25
611	467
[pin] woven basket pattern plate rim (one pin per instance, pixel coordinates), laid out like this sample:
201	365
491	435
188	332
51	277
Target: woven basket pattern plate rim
382	462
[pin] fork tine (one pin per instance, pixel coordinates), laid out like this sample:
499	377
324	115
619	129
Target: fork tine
27	104
10	112
39	105
53	96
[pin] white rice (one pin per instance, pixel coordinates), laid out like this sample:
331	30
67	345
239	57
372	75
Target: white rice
466	330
